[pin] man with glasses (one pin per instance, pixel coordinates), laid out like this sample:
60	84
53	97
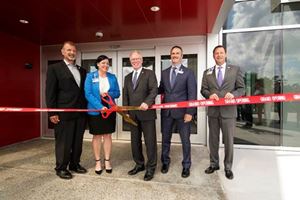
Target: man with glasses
140	89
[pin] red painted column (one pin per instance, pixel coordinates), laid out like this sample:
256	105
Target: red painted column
19	87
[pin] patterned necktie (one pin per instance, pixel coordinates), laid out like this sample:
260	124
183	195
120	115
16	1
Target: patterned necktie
220	77
173	77
134	80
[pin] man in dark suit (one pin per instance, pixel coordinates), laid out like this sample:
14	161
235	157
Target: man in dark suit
64	89
222	81
178	83
140	89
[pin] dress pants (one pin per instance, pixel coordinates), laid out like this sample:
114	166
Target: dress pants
227	125
148	129
184	132
68	142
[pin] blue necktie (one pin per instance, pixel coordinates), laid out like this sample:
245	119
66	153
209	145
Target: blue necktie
173	76
134	80
220	77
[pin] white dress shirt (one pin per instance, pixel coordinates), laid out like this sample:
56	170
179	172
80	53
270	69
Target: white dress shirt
75	71
103	85
223	67
138	73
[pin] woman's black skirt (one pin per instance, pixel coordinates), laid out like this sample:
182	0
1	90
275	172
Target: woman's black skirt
98	125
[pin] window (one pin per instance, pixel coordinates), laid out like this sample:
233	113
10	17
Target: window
270	60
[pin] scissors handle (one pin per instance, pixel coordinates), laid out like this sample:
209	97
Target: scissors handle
109	101
105	113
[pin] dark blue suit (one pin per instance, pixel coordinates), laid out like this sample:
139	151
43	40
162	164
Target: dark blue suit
184	89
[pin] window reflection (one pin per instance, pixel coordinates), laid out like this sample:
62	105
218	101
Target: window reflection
249	14
260	13
291	83
291	13
258	55
270	60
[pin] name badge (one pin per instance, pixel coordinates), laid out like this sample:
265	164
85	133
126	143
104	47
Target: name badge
180	72
95	80
210	71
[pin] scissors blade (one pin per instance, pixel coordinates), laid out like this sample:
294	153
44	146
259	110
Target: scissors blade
127	119
126	108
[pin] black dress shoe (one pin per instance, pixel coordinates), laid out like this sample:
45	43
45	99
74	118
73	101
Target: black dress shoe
78	169
228	174
136	170
64	174
211	169
149	175
165	168
185	172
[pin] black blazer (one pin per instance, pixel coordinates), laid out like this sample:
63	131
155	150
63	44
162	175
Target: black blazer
145	91
62	90
184	89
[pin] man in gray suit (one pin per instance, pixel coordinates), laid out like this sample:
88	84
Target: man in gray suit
140	89
222	81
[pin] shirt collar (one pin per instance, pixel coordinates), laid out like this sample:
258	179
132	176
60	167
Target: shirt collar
177	66
222	66
139	70
69	64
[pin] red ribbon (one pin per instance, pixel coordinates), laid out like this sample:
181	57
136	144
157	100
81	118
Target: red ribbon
288	97
236	101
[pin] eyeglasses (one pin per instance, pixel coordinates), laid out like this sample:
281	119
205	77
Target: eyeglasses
135	59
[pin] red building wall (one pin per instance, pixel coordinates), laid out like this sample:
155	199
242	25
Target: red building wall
19	87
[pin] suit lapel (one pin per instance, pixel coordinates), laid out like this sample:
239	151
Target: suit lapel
67	71
167	74
227	73
130	80
81	77
215	77
139	78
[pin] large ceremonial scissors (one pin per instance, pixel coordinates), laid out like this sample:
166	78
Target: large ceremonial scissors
119	109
